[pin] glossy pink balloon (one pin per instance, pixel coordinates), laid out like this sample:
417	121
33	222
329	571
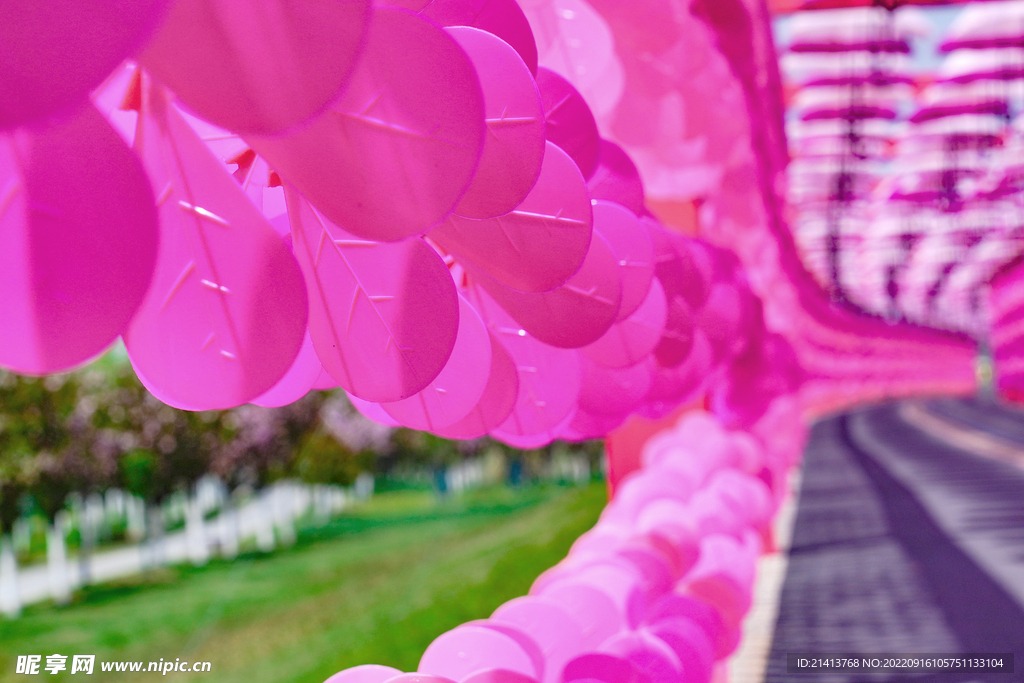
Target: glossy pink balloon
573	315
55	52
393	156
595	666
77	247
459	386
594	611
517	634
651	656
260	66
540	244
372	411
617	179
498	676
214	331
497	402
629	341
297	382
570	123
691	645
467	649
559	636
631	243
586	425
514	143
366	673
612	392
324	381
503	18
383	317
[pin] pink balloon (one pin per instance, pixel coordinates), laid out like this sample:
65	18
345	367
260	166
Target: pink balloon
498	676
570	123
586	425
459	386
559	636
517	634
611	392
214	331
465	650
631	243
54	53
77	247
720	319
683	265
629	341
324	381
676	342
497	402
297	382
540	244
503	18
383	317
261	66
617	179
648	654
593	610
372	411
607	668
366	673
691	645
573	315
393	156
419	678
514	144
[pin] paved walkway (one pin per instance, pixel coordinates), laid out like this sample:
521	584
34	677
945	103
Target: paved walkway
903	543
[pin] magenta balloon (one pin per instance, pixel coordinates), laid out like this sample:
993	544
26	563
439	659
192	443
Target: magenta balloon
651	656
497	402
617	179
673	606
465	650
54	53
372	411
611	392
324	381
540	244
514	144
297	382
629	341
225	315
383	317
77	247
459	386
593	610
632	245
586	425
573	315
607	668
524	641
676	342
498	676
393	156
673	385
503	18
682	265
366	673
617	579
258	67
570	123
559	635
691	645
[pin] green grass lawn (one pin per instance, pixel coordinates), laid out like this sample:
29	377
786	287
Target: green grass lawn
374	586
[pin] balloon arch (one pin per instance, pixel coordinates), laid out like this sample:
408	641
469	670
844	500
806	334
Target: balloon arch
475	217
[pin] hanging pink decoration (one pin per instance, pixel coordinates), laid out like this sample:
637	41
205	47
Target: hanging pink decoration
365	673
540	244
570	123
459	386
297	382
470	648
612	392
554	630
213	331
632	245
77	247
394	154
497	402
573	315
372	411
617	179
258	67
54	53
628	342
594	611
514	142
502	18
383	332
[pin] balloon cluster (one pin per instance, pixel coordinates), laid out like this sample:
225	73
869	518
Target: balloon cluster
656	591
397	202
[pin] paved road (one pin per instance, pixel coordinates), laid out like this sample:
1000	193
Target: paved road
903	543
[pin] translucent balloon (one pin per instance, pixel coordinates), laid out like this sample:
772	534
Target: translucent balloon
497	402
603	667
372	411
594	611
612	392
629	341
514	144
297	382
394	154
77	247
540	244
631	243
467	649
651	656
570	123
559	636
498	676
617	179
214	331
